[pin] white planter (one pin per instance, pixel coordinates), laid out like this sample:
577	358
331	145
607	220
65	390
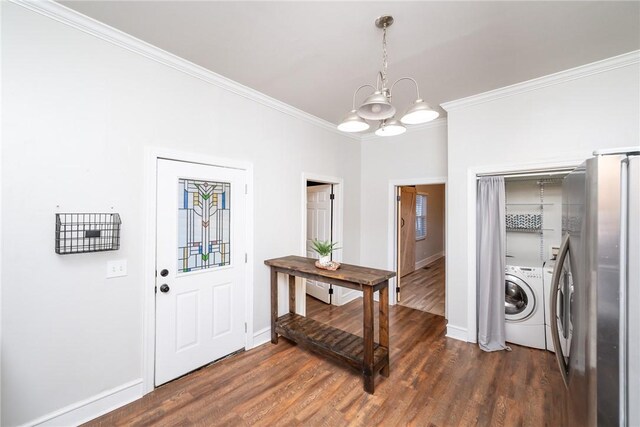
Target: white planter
325	260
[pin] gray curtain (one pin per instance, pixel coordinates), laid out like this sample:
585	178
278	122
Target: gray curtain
490	262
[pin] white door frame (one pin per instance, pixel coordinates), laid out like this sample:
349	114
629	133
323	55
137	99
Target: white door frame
472	176
338	215
392	227
150	190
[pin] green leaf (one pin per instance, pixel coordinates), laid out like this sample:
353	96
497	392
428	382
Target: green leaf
324	248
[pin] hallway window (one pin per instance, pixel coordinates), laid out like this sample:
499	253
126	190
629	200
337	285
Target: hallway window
421	216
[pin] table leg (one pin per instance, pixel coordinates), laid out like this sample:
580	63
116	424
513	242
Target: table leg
367	368
292	294
383	327
274	305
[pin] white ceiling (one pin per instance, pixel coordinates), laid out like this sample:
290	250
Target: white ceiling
313	55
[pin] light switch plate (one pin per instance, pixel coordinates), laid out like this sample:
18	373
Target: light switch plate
116	268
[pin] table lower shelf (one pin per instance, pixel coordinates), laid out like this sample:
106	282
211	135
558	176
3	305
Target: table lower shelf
329	341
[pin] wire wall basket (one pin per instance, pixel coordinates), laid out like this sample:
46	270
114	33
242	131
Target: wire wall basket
78	233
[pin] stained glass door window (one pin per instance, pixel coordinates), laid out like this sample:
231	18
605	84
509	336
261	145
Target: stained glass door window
204	225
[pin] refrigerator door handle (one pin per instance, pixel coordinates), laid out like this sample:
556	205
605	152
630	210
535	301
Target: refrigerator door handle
555	288
623	246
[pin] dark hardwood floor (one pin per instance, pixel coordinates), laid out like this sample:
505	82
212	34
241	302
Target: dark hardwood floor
424	288
434	381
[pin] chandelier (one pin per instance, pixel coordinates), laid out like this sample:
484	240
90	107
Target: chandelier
377	106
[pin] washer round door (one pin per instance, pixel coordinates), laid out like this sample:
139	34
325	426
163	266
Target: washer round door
519	299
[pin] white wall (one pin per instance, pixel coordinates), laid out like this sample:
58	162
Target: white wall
559	119
432	246
410	158
78	113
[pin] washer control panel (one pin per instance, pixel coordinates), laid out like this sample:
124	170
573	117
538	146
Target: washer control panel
528	272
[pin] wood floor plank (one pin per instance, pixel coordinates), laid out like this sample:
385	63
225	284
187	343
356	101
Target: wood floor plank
424	289
434	381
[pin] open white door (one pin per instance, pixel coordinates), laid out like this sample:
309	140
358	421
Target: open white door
318	227
200	289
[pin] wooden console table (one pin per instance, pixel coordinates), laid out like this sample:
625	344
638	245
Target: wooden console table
360	353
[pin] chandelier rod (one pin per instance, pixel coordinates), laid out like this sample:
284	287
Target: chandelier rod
385	59
358	90
406	78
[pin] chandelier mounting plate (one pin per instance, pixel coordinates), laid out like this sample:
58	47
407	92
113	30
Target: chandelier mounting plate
385	20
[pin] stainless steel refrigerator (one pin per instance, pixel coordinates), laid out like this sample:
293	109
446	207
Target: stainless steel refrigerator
595	298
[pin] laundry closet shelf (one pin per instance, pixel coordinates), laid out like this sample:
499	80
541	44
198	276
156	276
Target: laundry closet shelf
530	230
529	204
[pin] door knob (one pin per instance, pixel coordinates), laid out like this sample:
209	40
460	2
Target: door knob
164	288
164	272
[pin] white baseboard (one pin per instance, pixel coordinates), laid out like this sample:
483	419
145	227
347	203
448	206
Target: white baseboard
91	408
348	297
100	404
429	260
457	333
261	337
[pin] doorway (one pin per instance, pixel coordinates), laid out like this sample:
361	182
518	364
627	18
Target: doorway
201	215
420	246
322	211
320	201
515	170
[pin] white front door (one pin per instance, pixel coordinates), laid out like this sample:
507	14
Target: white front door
200	255
318	227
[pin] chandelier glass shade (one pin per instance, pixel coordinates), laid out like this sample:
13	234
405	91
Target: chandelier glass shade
352	122
377	105
419	112
390	127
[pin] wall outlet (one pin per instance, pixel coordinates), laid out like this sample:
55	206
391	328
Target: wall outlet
116	268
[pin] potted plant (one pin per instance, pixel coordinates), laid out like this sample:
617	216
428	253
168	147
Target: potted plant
324	249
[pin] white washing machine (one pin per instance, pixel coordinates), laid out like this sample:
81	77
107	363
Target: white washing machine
524	303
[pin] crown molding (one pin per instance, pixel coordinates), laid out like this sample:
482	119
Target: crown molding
442	121
605	65
70	17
